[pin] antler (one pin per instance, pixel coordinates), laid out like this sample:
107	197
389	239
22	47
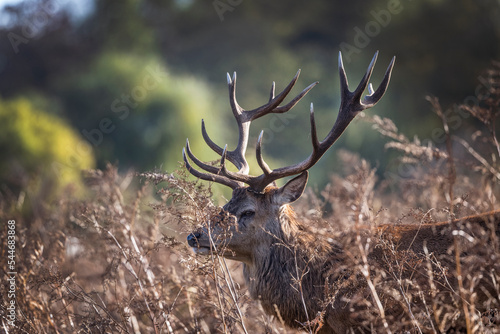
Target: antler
244	119
351	104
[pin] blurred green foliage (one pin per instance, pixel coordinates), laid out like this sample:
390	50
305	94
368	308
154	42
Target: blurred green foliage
132	109
36	145
134	78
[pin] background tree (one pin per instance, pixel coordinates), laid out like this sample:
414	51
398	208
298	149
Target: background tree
83	63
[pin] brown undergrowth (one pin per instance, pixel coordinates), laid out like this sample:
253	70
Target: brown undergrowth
117	261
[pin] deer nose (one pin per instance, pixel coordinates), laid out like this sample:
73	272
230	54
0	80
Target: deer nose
192	239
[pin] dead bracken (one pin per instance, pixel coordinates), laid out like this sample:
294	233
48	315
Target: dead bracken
116	260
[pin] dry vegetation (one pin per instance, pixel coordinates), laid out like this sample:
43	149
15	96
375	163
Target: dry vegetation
117	262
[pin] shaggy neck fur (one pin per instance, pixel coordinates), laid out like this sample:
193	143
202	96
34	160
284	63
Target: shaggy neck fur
290	266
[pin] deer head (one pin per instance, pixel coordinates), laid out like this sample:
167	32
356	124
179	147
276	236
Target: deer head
258	211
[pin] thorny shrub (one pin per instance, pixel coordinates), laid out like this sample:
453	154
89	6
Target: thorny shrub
117	262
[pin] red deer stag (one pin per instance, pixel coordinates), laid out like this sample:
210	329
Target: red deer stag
277	250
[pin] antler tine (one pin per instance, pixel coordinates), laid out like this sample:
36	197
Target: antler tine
198	162
295	100
314	133
366	78
344	84
258	151
209	177
273	88
374	97
235	107
253	114
209	141
273	105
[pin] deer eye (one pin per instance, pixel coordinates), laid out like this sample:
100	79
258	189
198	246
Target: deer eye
247	214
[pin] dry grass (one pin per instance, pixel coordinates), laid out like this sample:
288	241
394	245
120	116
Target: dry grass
117	261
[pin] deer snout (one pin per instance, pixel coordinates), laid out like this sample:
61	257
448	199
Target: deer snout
192	239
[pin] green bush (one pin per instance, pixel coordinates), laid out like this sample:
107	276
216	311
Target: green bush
37	145
136	112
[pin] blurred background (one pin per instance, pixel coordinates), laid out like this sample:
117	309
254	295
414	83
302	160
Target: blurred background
83	83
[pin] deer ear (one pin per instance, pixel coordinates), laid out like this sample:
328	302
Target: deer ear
292	190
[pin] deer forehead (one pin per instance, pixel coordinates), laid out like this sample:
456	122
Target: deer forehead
245	199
